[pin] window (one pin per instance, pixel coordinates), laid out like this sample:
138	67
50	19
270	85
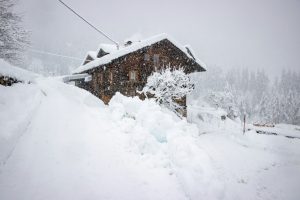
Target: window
132	92
100	78
144	77
111	76
132	76
147	57
94	77
97	88
95	84
156	59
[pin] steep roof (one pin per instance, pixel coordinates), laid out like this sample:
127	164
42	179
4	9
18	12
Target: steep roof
90	56
108	48
93	54
115	53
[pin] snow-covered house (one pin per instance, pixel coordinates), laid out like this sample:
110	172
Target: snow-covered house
125	69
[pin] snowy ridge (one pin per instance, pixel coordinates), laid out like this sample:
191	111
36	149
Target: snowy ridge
7	69
131	48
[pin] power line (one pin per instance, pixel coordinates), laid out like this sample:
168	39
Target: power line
99	31
53	54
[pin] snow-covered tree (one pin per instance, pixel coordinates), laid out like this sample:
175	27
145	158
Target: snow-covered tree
226	100
12	35
251	92
168	87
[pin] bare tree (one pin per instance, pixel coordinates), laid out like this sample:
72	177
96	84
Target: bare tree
13	37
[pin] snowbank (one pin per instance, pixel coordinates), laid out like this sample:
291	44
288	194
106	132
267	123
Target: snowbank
7	69
208	118
167	142
64	143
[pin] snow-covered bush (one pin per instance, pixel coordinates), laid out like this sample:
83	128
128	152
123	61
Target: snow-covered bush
225	100
169	87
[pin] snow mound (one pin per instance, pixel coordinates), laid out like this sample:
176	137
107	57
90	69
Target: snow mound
148	114
209	119
7	69
60	142
168	142
72	140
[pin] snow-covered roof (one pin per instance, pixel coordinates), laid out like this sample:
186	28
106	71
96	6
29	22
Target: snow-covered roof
134	38
108	48
123	50
8	70
90	54
93	54
191	52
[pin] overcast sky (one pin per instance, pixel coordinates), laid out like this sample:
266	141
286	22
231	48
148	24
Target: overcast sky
253	33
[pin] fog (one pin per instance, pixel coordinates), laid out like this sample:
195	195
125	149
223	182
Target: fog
261	34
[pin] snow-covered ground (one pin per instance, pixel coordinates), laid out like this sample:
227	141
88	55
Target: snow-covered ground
60	142
287	130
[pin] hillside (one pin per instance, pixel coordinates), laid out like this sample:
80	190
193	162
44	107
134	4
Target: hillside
60	142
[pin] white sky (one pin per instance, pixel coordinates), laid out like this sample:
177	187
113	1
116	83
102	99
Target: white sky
253	33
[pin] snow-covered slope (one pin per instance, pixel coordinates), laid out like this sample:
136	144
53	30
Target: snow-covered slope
60	142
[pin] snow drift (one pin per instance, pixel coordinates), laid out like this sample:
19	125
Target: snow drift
60	142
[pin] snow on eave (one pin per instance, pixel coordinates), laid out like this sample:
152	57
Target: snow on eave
68	78
20	74
202	64
132	48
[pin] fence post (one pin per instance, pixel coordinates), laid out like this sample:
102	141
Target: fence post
244	129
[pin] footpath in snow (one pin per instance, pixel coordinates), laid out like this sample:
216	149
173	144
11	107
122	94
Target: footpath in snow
60	142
